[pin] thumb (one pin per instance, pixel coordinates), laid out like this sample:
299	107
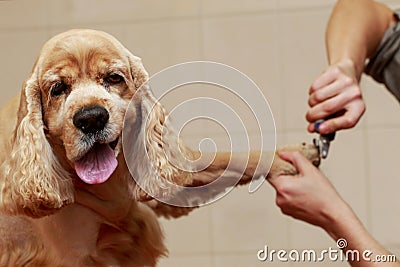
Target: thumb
282	184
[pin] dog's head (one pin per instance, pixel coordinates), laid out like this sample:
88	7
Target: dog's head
70	121
86	80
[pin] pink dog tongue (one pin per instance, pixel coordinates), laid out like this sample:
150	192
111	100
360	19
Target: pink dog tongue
97	165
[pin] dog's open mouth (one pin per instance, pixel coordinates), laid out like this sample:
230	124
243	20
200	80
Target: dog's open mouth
97	165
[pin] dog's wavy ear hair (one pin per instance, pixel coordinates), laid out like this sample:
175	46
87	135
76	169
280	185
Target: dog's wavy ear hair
155	150
33	181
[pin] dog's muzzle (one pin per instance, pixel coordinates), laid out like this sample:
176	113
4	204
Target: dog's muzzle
99	161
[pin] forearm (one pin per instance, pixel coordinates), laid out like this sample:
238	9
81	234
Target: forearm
310	196
354	31
346	225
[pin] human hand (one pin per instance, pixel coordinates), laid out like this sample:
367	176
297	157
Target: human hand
308	196
337	94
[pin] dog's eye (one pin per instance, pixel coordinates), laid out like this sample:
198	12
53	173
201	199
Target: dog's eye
58	88
114	78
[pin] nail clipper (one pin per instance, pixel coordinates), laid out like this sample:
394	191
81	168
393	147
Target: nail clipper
322	143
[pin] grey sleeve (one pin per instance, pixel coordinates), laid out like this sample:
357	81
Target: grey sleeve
384	66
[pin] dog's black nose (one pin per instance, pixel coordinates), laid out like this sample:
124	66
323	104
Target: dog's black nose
91	119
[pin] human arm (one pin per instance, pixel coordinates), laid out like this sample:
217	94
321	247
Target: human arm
355	30
309	196
353	34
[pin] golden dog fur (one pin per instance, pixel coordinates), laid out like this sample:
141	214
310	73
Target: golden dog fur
50	217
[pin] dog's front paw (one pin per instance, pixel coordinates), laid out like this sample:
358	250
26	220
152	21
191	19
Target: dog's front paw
308	150
282	167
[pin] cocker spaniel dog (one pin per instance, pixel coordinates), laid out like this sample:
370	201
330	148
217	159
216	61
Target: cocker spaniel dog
67	197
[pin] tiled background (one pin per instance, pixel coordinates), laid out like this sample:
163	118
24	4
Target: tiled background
280	45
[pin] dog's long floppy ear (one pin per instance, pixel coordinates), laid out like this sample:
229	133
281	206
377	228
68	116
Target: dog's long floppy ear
33	182
155	153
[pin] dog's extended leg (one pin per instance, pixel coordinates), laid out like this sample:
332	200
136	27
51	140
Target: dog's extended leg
236	160
238	166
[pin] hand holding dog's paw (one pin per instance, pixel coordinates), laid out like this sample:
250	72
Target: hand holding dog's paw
280	166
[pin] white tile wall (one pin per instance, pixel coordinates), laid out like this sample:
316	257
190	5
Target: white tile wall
382	108
245	259
224	7
304	4
384	182
75	12
302	60
244	222
188	260
190	234
164	43
250	44
18	53
278	44
24	14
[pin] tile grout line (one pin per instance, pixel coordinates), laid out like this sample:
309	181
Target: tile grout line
211	253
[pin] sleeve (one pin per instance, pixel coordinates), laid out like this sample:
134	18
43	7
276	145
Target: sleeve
384	66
